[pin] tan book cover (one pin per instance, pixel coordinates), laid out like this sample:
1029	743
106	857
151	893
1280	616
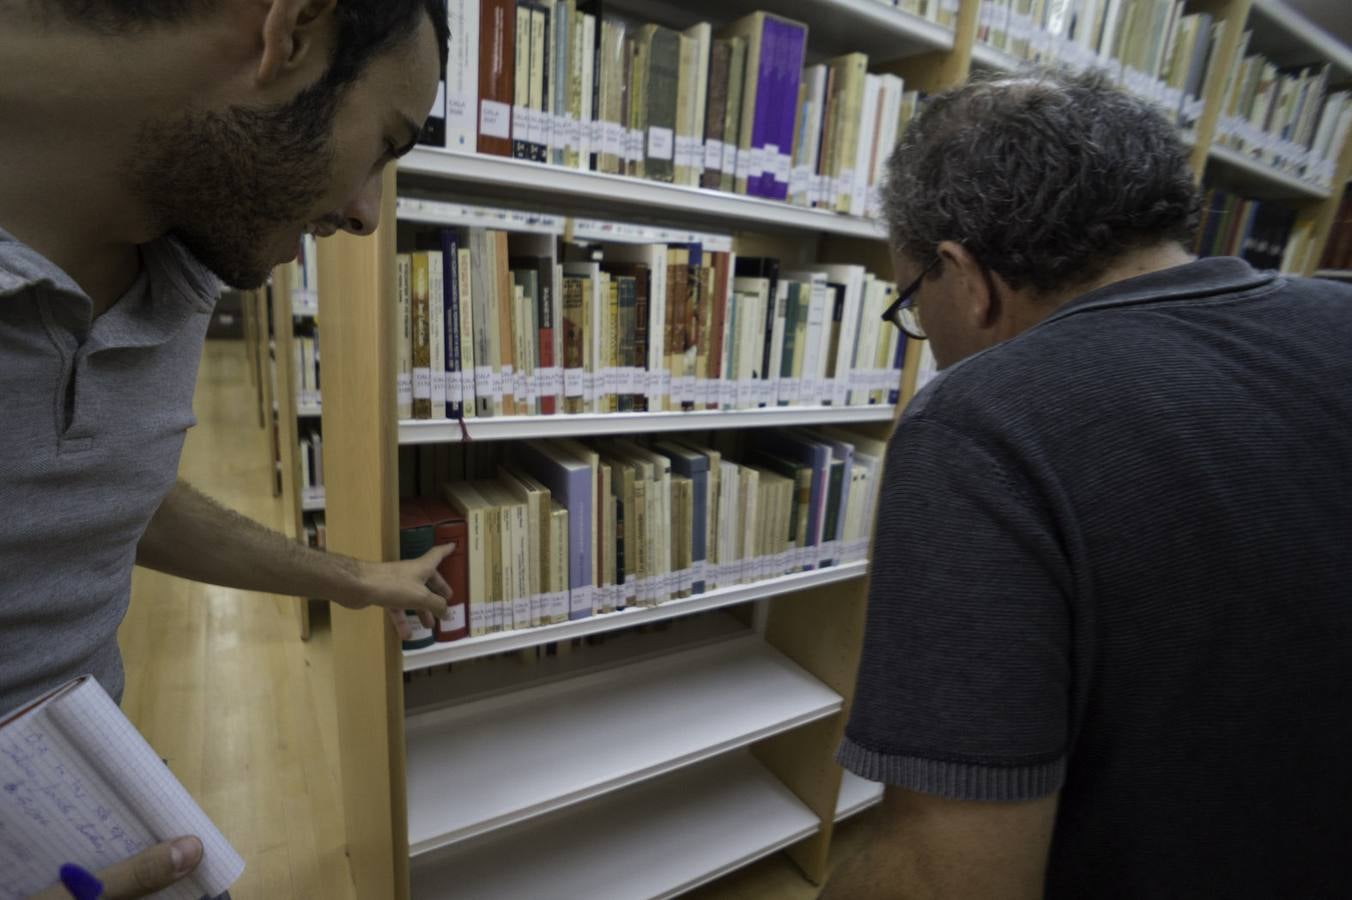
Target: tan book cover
607	498
536	497
539	33
640	52
732	115
749	518
467	501
678	275
701	35
851	72
521	145
610	95
558	562
502	281
575	291
687	78
422	353
683	500
466	332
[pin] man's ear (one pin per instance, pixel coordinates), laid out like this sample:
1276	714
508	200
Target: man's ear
289	35
979	293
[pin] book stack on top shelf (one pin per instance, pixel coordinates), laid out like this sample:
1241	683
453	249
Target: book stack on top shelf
652	643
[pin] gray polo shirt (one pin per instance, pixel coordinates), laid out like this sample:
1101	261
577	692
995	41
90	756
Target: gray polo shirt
92	420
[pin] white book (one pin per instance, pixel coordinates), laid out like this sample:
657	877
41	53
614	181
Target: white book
462	76
777	380
702	35
436	331
852	277
82	786
588	97
868	130
866	346
306	474
298	363
803	189
818	334
894	89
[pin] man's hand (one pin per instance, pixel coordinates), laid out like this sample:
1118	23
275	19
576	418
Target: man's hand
143	874
192	536
408	584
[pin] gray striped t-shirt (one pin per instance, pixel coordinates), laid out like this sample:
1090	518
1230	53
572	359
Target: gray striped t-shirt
92	420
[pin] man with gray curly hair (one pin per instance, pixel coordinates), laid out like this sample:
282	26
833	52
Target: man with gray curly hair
1107	647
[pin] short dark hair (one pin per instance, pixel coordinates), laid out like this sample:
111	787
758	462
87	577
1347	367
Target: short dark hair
1044	176
366	28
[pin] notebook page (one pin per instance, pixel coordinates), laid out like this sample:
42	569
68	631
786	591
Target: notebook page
127	763
57	805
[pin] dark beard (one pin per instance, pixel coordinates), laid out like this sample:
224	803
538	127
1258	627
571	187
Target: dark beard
221	182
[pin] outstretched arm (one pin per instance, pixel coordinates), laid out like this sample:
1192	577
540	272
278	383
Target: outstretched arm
194	537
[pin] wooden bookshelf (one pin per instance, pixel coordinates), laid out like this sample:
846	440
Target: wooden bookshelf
769	687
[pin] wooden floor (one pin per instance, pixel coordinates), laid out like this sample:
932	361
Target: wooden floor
222	686
220	683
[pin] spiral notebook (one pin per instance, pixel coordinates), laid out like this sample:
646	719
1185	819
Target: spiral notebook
78	784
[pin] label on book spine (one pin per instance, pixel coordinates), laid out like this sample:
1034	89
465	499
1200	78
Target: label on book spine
422	384
612	138
508	379
521	130
729	158
572	382
659	142
495	119
404	388
713	155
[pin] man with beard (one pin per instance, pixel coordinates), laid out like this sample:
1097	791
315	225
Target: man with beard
150	147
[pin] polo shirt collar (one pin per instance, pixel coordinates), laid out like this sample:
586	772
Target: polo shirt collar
1201	278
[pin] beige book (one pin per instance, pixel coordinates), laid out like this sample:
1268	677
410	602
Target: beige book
686	78
557	611
645	521
422	354
466	332
610	96
515	559
467	501
638	103
683	499
702	37
749	515
536	497
850	73
608	601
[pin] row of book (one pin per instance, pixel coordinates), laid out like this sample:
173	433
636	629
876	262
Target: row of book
553	531
1338	248
1151	46
305	361
1256	230
569	83
941	12
496	323
1282	117
312	462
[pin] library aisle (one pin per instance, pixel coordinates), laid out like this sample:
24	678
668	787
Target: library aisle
219	684
244	712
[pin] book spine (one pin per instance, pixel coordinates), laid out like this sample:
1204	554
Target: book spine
716	110
450	261
464	297
454	624
422	366
404	382
436	332
462	76
545	332
521	113
497	69
539	85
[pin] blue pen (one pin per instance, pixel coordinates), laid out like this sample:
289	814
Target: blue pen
81	884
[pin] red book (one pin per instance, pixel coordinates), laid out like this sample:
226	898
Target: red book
497	71
449	528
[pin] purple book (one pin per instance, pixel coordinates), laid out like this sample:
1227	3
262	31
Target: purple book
569	482
792	46
764	89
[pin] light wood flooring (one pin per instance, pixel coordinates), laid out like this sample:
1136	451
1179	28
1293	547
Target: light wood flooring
221	685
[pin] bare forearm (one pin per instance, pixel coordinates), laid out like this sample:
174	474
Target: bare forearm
194	537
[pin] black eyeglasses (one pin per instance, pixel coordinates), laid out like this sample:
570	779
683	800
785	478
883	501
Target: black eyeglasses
902	313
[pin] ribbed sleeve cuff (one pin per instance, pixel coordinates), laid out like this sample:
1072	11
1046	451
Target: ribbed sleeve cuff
956	781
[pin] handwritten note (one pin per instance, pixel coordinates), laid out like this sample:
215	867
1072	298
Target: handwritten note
79	784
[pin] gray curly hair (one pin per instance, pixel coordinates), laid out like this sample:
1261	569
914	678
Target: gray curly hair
1045	177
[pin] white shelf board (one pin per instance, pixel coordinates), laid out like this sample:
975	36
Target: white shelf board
856	795
309	409
1266	181
989	57
1335	274
657	840
485	765
520	639
512	428
526	179
1311	42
